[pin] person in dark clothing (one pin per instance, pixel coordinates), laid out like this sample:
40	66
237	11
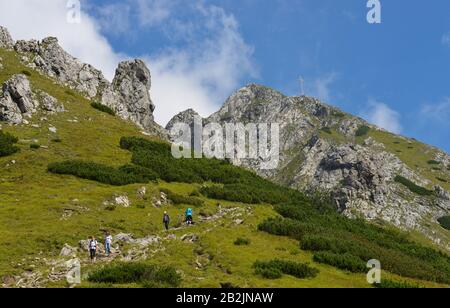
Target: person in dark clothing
166	220
93	248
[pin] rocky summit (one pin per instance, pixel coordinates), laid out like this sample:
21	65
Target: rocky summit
327	151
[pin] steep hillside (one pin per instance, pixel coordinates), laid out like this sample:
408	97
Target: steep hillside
74	172
370	173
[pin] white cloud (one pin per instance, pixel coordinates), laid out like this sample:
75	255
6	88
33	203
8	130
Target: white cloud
320	87
209	58
153	12
203	73
37	19
446	39
437	112
382	115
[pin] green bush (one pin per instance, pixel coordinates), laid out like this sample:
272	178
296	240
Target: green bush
391	284
70	93
346	261
147	275
362	131
413	187
445	222
242	242
26	73
7	144
180	199
433	162
56	140
110	207
269	273
35	146
195	193
275	268
103	108
327	130
125	175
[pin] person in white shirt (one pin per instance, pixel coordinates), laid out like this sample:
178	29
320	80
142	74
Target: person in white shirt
108	242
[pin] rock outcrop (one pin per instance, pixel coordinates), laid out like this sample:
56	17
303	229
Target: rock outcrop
48	57
5	39
186	117
17	100
128	94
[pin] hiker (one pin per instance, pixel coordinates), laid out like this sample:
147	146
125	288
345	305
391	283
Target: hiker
93	248
108	242
189	216
166	220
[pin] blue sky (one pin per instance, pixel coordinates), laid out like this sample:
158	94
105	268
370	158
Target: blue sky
395	74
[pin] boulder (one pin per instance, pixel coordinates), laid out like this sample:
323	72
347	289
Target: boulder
189	238
68	251
50	104
123	237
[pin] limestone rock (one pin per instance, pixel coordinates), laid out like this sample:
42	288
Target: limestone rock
68	251
50	104
5	39
186	117
17	100
129	94
189	238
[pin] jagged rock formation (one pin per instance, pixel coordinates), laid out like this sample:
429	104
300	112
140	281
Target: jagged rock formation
321	154
17	100
48	57
49	103
128	94
187	117
5	39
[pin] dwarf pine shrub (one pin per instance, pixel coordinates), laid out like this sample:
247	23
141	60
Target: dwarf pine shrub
150	276
346	261
125	175
413	187
103	108
178	199
7	144
275	268
445	222
242	242
362	131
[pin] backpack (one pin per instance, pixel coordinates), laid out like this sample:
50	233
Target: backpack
93	245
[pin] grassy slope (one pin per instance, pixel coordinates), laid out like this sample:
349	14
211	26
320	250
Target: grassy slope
33	202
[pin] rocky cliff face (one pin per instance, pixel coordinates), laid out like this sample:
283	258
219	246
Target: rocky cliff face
128	94
324	150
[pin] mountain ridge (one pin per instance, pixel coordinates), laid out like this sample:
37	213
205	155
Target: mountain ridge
322	151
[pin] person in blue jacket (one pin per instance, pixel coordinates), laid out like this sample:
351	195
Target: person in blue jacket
189	216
